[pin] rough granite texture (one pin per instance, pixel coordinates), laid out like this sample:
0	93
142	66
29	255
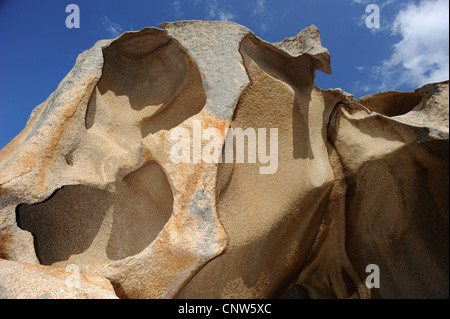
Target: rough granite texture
90	182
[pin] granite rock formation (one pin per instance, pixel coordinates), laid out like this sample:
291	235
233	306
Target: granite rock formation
90	180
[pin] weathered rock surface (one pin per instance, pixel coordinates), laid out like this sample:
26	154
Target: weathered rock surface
26	281
90	180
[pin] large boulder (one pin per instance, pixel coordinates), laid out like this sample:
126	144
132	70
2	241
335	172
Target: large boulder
130	172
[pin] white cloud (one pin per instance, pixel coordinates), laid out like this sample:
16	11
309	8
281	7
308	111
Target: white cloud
177	7
225	16
262	17
422	55
260	7
360	68
216	10
114	29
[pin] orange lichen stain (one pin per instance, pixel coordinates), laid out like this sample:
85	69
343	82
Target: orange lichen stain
4	242
191	182
3	191
147	150
177	225
209	120
147	156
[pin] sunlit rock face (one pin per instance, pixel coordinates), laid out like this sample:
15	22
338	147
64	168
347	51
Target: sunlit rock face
344	198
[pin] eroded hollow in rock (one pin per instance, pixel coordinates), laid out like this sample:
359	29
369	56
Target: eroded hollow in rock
84	225
392	103
148	80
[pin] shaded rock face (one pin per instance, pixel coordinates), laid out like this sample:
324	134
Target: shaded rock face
91	180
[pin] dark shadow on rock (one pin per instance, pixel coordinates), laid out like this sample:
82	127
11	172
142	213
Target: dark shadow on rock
93	226
150	74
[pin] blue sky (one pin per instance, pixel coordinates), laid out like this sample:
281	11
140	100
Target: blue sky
408	50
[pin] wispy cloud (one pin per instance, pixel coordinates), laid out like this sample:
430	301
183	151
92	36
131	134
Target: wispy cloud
262	15
114	29
260	7
361	88
225	16
177	8
216	10
211	8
